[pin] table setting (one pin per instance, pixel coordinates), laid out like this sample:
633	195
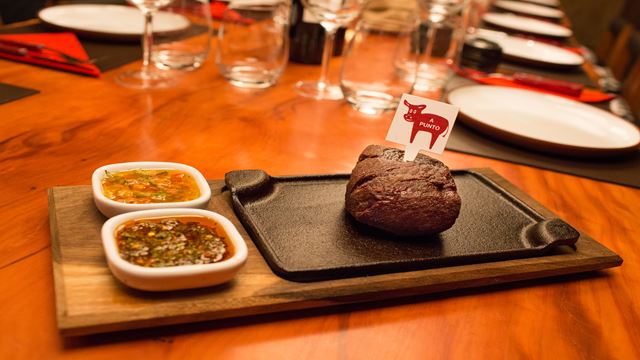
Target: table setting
444	170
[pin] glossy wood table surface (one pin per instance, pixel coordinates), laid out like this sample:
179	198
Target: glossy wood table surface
58	137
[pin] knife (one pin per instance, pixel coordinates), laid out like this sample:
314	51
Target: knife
557	86
40	48
553	85
24	52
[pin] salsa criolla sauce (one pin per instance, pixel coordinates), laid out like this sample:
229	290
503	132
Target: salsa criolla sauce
144	186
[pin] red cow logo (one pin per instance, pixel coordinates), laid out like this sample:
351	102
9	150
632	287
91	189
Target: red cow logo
434	124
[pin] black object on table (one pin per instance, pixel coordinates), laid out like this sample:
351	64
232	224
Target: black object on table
301	228
11	92
481	54
623	170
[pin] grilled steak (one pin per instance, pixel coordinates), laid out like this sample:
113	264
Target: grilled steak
404	198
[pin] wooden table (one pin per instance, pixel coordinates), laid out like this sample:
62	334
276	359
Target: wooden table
58	137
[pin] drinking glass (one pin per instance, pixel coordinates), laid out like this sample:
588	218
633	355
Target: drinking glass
148	77
253	42
332	14
189	48
475	10
383	41
441	36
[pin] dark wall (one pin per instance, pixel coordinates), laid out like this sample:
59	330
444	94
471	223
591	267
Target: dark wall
631	12
18	10
590	18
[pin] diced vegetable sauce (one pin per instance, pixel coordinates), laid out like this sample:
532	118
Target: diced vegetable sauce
173	241
149	186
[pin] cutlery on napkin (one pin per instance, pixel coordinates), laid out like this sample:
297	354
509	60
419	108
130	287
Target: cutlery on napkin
553	85
538	83
26	47
61	51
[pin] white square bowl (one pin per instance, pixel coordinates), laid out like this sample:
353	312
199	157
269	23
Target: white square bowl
172	277
111	208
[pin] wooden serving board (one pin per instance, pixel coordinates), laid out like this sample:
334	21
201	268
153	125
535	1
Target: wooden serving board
90	300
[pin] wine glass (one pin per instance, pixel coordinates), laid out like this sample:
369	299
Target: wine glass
332	14
148	77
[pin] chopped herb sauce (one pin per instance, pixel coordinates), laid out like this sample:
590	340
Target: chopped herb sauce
173	241
149	186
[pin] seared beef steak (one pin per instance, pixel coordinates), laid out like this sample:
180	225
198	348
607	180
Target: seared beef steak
405	198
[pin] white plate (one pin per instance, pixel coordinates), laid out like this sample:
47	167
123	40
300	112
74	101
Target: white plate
110	20
531	51
525	24
543	122
529	9
554	3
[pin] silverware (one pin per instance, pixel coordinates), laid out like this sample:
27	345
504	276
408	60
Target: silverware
40	48
25	53
540	82
607	82
620	107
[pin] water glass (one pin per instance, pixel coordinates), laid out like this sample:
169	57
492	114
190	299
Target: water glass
148	77
188	49
383	41
474	12
331	14
253	42
440	37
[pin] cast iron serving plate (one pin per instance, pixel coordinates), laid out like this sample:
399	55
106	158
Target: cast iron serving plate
300	226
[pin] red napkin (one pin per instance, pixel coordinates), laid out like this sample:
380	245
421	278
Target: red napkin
536	83
217	12
558	86
66	42
586	95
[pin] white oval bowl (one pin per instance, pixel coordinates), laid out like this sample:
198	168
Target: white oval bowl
172	277
111	208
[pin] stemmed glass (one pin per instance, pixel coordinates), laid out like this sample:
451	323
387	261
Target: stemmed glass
147	77
331	14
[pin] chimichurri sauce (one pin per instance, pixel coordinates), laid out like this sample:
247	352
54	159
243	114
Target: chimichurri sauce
173	241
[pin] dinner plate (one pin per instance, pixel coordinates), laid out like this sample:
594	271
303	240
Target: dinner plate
529	9
532	52
110	21
526	24
543	122
553	3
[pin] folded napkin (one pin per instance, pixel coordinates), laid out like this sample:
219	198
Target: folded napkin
218	9
586	95
553	85
65	42
537	83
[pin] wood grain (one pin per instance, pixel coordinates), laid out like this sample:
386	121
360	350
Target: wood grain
76	124
90	300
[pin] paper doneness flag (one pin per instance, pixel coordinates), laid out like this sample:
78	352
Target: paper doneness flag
422	124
